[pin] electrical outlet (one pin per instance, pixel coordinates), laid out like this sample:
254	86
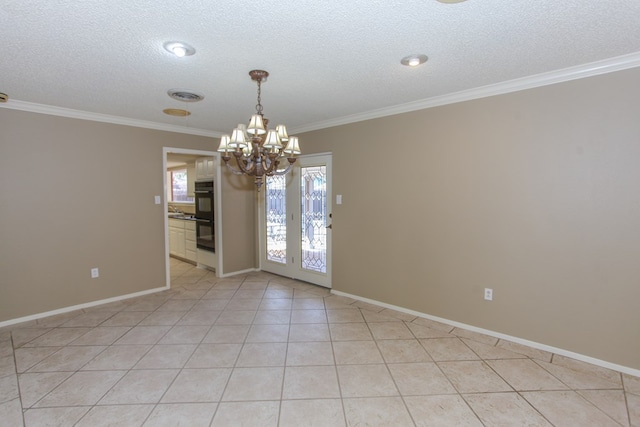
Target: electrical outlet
95	273
488	294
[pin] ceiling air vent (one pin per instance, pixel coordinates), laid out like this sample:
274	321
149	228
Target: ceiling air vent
185	95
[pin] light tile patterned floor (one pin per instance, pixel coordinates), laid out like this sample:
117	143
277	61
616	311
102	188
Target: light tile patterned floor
262	350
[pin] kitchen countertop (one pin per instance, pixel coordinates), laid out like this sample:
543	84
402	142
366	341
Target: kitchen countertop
185	217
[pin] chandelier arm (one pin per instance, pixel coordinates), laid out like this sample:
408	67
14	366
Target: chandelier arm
282	171
233	170
241	164
226	157
246	166
271	162
250	166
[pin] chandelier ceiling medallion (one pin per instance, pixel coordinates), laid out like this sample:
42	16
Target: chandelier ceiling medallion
257	149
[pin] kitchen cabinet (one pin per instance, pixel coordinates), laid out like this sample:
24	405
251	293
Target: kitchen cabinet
205	168
190	240
182	239
191	179
177	245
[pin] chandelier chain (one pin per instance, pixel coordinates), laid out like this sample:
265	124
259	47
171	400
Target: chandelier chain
259	105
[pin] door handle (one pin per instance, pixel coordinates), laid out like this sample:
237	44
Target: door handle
330	226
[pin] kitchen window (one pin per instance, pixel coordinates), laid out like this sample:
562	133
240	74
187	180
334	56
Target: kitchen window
177	186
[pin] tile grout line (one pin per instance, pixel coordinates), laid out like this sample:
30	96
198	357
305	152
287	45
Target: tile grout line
286	356
518	392
235	363
458	393
15	373
335	364
386	364
180	370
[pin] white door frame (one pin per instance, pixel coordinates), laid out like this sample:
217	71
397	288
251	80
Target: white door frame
217	212
289	270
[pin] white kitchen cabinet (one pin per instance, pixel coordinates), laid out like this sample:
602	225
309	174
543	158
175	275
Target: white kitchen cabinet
190	241
176	238
182	239
205	168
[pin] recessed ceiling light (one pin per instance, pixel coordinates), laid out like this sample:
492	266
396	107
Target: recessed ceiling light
179	49
451	1
176	112
414	60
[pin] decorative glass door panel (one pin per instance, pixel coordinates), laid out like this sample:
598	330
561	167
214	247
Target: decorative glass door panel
313	215
276	217
295	221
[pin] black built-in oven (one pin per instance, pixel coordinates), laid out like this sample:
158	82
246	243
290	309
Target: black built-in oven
205	224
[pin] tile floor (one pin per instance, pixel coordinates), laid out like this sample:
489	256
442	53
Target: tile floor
261	350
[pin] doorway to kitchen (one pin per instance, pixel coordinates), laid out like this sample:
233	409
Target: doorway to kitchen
178	158
295	222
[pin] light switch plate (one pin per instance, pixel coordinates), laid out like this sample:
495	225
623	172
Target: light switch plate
338	199
157	199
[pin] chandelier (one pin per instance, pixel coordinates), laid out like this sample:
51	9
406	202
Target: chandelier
257	149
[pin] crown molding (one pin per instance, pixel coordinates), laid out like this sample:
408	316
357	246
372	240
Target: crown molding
104	118
610	65
572	73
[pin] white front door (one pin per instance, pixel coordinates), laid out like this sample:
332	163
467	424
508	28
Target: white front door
295	222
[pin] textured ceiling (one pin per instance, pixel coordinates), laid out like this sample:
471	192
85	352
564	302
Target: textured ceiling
328	60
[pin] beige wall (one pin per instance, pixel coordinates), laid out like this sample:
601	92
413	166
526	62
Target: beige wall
75	195
534	194
238	221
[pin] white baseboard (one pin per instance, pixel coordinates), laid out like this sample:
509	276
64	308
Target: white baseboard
533	344
235	273
80	306
102	301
